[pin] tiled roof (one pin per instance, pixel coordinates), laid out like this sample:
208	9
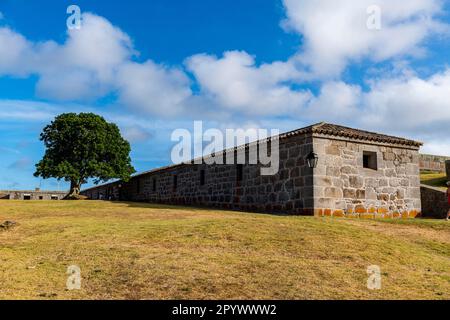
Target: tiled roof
345	132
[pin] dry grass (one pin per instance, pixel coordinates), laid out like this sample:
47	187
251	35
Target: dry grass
141	251
434	179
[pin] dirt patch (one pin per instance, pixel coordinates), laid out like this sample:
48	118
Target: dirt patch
6	225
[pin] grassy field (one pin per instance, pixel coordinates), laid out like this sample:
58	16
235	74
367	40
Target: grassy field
142	251
434	179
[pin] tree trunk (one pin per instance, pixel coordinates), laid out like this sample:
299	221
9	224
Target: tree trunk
74	193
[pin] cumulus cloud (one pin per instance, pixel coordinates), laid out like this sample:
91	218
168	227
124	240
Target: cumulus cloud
99	59
80	67
153	88
14	53
416	101
236	83
93	62
335	33
336	100
409	106
136	134
85	66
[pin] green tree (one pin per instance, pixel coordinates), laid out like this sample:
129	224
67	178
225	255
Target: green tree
84	146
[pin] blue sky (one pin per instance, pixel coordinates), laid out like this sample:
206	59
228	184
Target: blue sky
155	66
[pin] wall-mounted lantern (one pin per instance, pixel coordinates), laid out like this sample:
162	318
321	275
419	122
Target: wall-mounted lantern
312	159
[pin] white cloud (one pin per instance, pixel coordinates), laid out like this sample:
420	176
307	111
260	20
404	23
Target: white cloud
14	53
20	110
93	62
409	106
99	59
136	134
337	100
97	46
418	102
236	83
335	33
439	146
85	66
153	88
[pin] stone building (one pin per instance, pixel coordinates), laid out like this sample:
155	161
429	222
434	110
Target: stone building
32	195
428	162
358	174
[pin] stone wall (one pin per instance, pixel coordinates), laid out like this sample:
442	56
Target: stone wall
32	195
343	187
429	162
434	202
289	191
340	186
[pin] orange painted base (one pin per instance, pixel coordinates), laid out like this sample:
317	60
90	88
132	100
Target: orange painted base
371	213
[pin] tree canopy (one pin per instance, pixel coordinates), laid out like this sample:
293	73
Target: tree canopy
84	146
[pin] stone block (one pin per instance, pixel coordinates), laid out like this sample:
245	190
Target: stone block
332	192
361	194
323	181
349	193
356	181
390	172
332	150
349	170
333	171
388	156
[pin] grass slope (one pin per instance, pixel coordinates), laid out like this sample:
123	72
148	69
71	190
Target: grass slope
142	251
434	179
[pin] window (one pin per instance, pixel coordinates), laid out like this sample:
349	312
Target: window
370	160
175	182
154	185
27	197
202	177
240	172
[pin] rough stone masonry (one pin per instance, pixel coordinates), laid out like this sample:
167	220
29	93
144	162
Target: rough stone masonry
359	174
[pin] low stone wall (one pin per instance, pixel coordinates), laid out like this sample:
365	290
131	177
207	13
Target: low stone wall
428	162
232	187
434	202
4	196
31	195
